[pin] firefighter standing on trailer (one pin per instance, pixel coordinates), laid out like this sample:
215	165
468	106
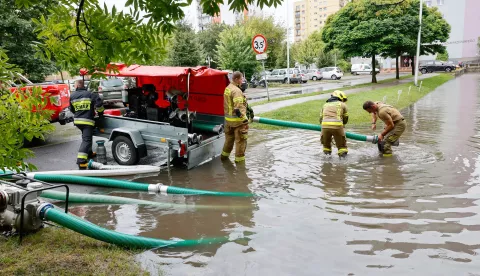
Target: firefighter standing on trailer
237	116
83	104
333	118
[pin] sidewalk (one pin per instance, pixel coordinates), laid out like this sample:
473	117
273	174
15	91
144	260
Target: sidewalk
259	109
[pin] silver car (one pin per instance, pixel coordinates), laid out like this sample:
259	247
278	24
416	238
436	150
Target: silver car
110	90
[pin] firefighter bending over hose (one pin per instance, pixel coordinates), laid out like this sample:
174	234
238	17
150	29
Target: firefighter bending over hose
394	122
237	116
333	118
82	104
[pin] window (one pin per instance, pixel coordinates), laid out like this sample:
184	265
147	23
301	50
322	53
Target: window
112	82
325	8
428	3
274	72
282	72
440	2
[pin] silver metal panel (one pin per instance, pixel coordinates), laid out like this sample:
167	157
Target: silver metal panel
133	133
206	151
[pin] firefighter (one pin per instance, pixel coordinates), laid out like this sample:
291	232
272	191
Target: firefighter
82	104
236	119
394	122
333	118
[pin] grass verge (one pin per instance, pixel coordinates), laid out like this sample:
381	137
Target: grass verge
309	112
58	251
329	91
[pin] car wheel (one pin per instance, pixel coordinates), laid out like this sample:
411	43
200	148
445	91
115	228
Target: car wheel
124	151
424	71
339	78
448	70
286	81
334	77
304	81
314	78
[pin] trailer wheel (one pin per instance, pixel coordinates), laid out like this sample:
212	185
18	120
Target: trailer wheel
124	151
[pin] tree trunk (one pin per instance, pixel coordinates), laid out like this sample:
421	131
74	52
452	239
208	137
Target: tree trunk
61	75
374	72
397	66
413	65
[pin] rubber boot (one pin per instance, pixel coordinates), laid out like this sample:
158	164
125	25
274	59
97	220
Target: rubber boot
82	166
327	152
343	155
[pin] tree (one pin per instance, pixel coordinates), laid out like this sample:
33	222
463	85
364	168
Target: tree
235	52
443	57
18	38
185	49
403	37
282	58
17	120
308	50
209	39
80	33
274	33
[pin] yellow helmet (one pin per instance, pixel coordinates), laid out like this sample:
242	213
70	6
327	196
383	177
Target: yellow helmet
339	94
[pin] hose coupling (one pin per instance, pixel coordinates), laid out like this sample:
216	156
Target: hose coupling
42	209
157	188
92	165
375	139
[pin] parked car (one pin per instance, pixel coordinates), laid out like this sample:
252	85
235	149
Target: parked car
363	69
109	90
436	66
303	75
280	75
314	74
334	73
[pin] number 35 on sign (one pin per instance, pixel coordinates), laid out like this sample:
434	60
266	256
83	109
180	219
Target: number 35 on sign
259	44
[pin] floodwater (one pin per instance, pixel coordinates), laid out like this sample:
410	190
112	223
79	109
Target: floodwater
414	214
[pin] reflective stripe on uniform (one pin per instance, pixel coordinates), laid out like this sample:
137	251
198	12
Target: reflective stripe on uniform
238	100
341	151
332	123
82	155
239	159
227	154
387	155
229	100
83	121
81	100
327	149
100	109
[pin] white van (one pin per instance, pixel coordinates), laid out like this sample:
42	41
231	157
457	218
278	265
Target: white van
363	69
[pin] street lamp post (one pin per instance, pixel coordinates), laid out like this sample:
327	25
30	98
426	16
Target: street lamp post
418	43
288	45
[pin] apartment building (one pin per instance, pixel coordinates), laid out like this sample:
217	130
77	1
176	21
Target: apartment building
311	15
462	15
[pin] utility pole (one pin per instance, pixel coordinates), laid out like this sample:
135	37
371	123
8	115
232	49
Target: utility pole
418	43
288	45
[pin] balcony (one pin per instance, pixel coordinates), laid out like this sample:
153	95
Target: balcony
297	20
298	27
297	14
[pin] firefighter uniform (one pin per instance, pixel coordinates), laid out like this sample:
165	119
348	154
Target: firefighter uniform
236	122
83	104
384	112
333	118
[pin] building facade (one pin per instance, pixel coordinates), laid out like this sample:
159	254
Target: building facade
463	16
311	15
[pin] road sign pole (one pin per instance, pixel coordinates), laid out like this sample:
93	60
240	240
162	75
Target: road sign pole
265	79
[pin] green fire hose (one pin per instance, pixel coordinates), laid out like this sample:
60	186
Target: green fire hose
48	212
106	199
354	136
123	184
208	127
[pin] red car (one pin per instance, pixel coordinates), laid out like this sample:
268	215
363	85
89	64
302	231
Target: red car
58	101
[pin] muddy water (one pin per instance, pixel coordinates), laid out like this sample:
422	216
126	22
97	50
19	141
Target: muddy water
414	214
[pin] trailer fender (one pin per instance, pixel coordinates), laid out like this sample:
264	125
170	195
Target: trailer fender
134	135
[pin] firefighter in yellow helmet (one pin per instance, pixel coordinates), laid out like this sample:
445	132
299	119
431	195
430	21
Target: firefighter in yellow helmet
236	119
333	118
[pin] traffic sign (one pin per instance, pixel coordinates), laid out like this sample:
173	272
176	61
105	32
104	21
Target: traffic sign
262	56
259	44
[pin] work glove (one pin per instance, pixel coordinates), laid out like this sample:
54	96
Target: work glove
238	113
250	113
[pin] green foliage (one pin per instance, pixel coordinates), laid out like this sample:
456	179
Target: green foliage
185	49
208	39
81	33
17	38
282	57
442	57
274	33
235	52
309	49
17	120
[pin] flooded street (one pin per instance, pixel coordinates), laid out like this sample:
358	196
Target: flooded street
414	214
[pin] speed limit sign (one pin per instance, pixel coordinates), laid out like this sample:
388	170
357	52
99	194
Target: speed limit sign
259	44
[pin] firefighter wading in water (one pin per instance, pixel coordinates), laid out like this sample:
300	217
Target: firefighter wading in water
82	105
333	118
394	125
237	116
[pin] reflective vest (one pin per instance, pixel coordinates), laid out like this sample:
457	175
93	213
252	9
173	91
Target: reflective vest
332	114
83	104
234	99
